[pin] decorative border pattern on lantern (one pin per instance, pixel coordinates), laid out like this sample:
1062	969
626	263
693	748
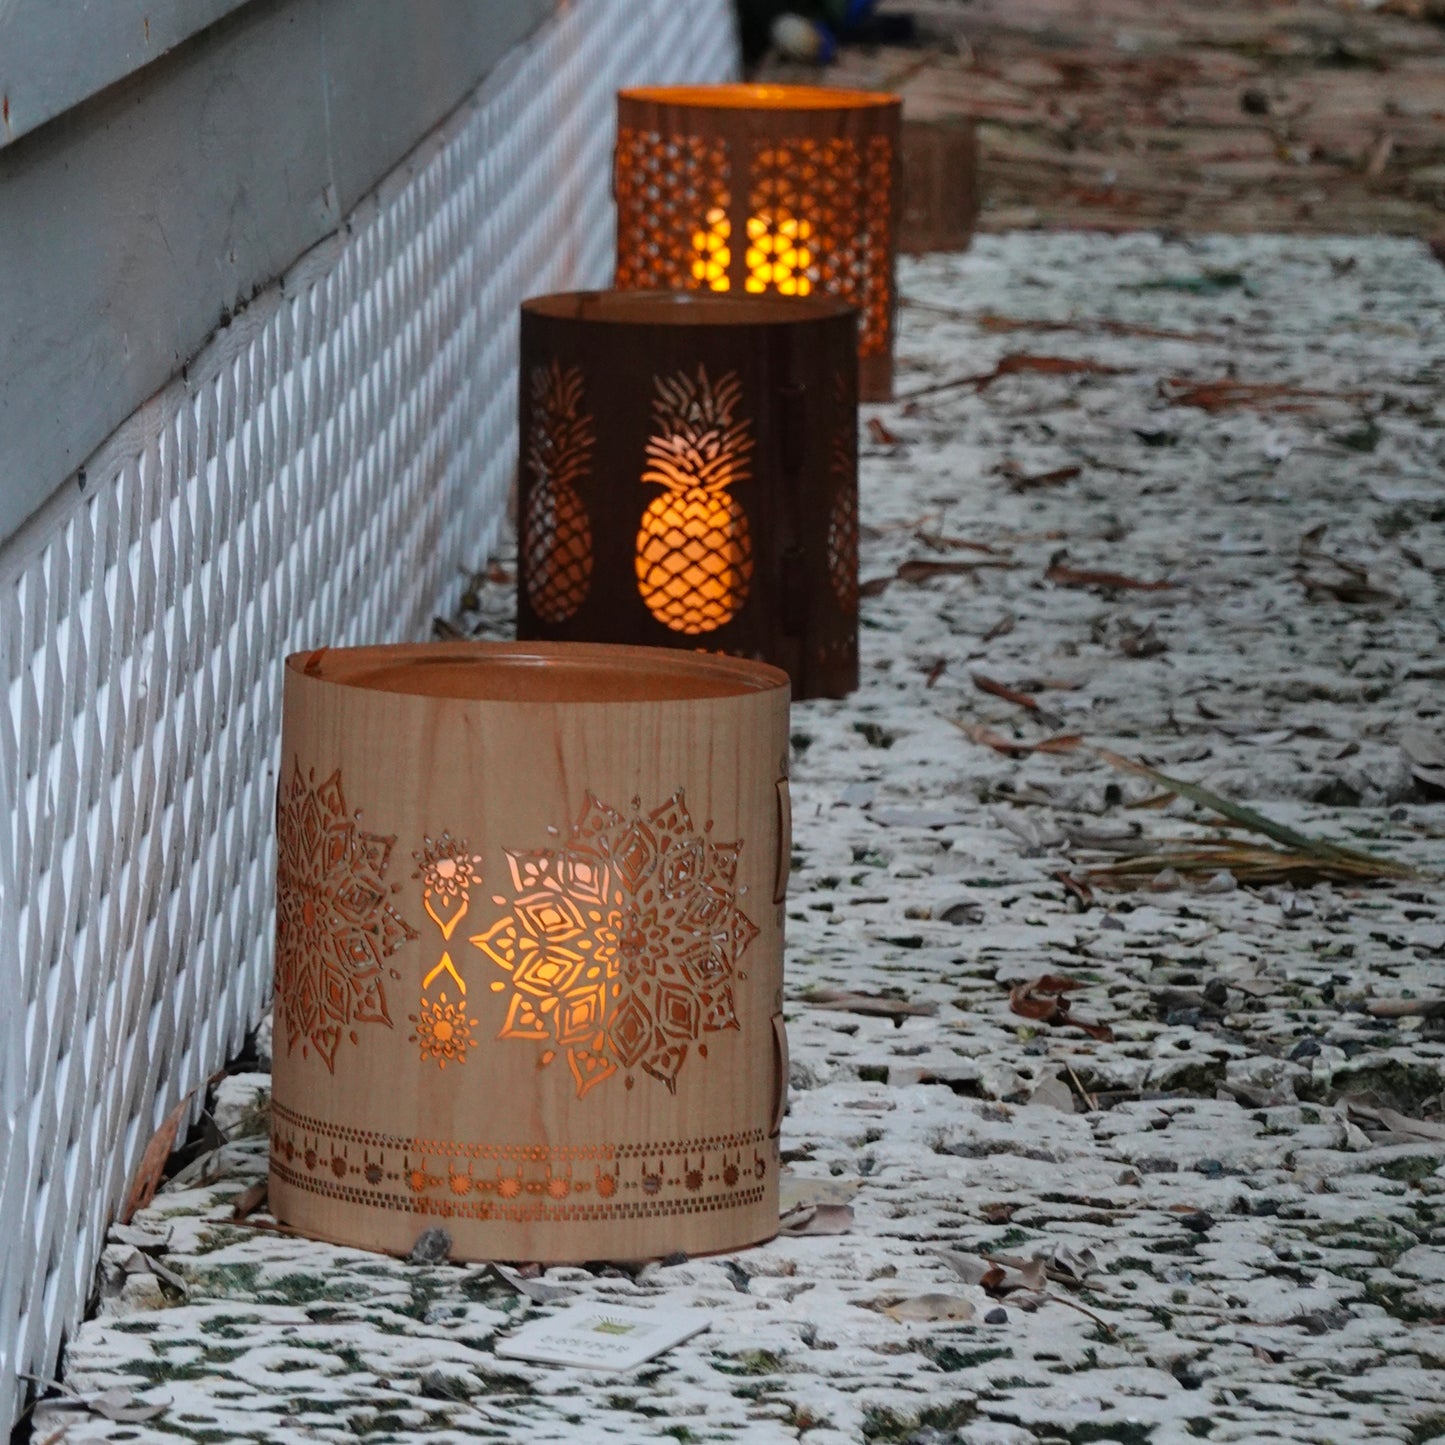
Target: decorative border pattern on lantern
529	1182
765	188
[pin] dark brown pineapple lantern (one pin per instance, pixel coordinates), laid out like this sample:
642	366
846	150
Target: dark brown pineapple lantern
689	477
790	189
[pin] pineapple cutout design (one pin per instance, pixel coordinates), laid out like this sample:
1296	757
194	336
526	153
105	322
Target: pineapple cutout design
556	533
694	555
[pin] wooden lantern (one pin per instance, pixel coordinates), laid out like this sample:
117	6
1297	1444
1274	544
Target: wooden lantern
940	185
755	188
689	477
529	949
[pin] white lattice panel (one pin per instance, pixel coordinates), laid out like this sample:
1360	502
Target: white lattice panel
321	476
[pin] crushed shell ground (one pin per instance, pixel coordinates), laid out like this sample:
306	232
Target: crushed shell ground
1248	1177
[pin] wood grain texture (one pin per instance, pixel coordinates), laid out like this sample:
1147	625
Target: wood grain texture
529	958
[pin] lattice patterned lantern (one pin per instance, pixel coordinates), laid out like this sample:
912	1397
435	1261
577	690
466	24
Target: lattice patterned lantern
689	477
764	188
529	949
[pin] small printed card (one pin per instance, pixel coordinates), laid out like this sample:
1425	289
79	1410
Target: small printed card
602	1336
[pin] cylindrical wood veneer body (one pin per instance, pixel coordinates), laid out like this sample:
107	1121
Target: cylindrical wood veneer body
689	477
764	188
529	949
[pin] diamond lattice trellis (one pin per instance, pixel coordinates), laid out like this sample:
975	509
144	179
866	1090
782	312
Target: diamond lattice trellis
320	475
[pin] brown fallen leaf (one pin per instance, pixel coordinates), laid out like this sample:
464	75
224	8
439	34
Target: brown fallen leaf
153	1162
1018	482
1395	1126
1061	574
940	543
873	1005
1145	642
1227	392
1345	588
927	1308
1404	1008
249	1201
1012	747
1077	887
881	434
1014	364
936	671
1008	694
922	569
999	1274
1044	1000
991	322
998	1213
817	1219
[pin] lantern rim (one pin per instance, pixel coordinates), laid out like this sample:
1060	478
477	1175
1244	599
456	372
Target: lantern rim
553	673
741	96
686	308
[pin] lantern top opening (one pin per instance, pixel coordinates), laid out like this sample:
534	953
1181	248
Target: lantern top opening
684	308
761	97
538	672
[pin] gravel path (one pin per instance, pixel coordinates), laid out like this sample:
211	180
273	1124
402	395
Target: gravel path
1223	1206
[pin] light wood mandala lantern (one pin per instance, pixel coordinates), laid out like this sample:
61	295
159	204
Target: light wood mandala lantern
529	949
790	189
689	477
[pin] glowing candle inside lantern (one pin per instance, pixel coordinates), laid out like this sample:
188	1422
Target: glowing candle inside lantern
694	556
713	255
779	252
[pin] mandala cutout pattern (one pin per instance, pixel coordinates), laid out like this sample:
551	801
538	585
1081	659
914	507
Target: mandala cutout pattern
669	189
556	540
622	945
448	872
335	924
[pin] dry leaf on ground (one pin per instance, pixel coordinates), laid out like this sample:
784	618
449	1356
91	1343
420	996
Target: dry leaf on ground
926	1308
1019	482
1014	364
153	1162
1061	574
1227	392
817	1219
249	1201
1425	752
1012	747
1045	1000
872	1004
997	1275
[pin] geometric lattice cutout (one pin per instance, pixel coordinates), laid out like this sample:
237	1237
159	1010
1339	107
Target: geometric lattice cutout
665	186
818	218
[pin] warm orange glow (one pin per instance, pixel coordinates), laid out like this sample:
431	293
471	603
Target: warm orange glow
778	252
694	559
778	257
694	556
761	97
712	254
